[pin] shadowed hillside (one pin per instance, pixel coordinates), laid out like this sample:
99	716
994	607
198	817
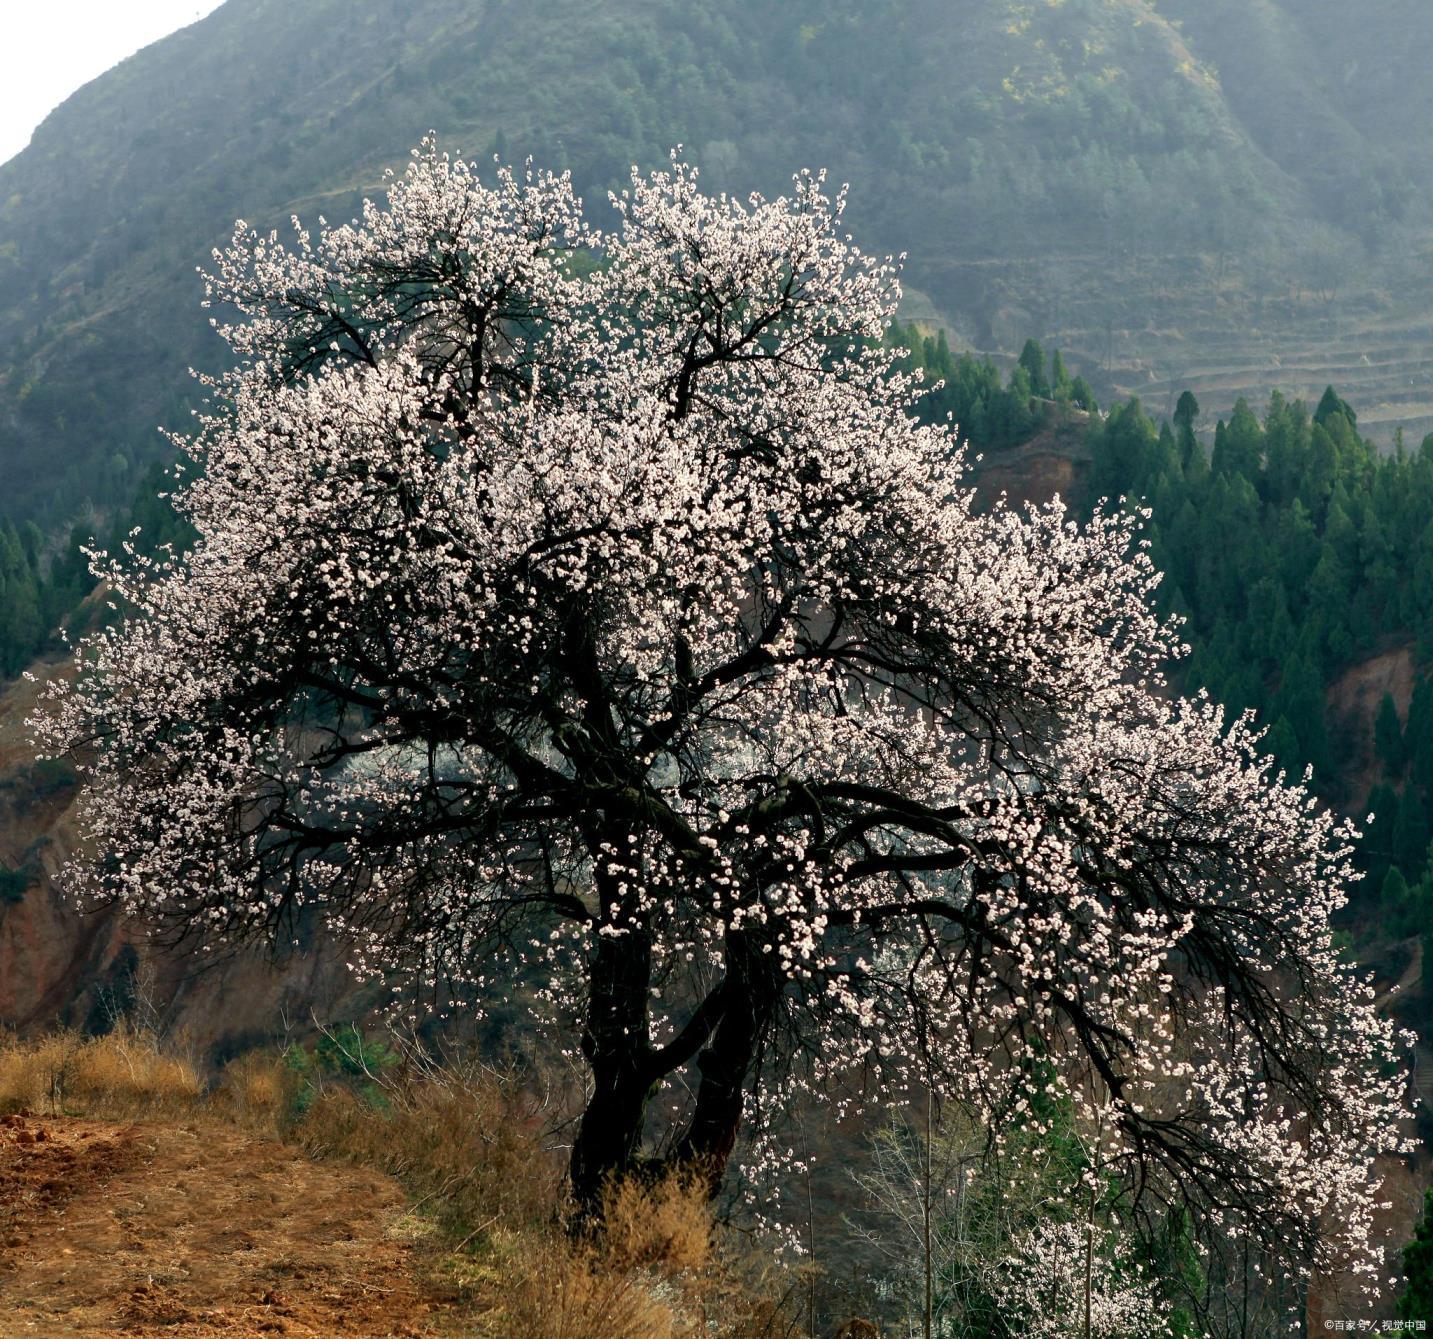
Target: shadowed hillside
1177	192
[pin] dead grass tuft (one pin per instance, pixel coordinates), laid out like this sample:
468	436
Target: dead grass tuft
256	1092
665	1226
127	1074
33	1075
465	1145
561	1292
121	1075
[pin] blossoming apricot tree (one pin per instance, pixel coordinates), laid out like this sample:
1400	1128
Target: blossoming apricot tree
591	606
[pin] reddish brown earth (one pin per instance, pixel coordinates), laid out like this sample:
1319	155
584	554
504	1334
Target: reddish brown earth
54	960
1353	702
1053	462
182	1231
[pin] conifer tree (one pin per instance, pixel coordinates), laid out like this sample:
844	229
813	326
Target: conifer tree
1416	1301
1059	377
1083	396
1388	736
1332	403
1393	898
1032	360
1301	700
1410	834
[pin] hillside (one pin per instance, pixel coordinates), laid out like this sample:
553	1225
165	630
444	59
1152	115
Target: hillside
61	966
332	1192
1176	191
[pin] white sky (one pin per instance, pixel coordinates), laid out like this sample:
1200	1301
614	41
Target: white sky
48	50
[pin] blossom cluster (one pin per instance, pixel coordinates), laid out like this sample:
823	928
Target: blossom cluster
1066	1279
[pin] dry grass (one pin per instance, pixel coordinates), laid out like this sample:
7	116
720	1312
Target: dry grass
666	1226
471	1150
256	1092
462	1142
660	1269
119	1076
563	1293
33	1075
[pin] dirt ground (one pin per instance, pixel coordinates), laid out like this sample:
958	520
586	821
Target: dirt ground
148	1230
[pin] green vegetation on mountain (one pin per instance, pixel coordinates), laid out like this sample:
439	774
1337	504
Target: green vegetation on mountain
1416	1302
41	591
1088	166
969	390
1296	551
36	595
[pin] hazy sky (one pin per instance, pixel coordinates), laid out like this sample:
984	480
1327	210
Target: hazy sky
49	50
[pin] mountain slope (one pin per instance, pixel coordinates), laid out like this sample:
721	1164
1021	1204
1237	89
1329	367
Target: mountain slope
1128	177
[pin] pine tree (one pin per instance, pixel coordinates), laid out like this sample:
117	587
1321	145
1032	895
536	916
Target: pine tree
1376	848
1032	359
1418	737
1301	699
1243	443
944	364
1283	744
1393	898
1410	834
1416	1302
1332	404
1059	377
1388	736
1083	396
1186	412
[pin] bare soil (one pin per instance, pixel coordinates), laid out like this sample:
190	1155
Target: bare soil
184	1230
1353	702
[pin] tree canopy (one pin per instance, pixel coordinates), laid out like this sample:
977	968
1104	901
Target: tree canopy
594	608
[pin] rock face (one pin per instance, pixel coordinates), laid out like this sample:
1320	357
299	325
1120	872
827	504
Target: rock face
1053	463
62	966
1353	702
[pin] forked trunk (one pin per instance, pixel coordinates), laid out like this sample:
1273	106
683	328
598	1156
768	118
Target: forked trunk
725	1066
627	1073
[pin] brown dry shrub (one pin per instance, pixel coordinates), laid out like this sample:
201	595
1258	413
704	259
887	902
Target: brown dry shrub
126	1073
255	1091
123	1074
560	1291
464	1144
665	1226
663	1236
34	1075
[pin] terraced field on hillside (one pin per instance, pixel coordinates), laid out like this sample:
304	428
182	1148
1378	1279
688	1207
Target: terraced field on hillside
1223	339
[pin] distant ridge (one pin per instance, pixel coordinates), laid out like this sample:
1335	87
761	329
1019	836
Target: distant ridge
1223	193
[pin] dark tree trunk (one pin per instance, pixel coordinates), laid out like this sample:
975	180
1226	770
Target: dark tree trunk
728	1061
730	1027
615	1042
610	1133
